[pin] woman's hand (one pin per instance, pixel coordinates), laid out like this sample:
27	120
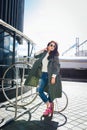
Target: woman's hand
53	80
45	49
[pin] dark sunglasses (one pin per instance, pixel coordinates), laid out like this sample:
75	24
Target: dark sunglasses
52	45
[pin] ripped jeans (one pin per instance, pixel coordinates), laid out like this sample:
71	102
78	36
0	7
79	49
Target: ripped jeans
41	86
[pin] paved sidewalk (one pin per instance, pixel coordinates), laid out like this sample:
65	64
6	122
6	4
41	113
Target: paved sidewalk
76	112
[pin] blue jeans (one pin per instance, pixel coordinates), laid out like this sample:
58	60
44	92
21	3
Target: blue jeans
41	86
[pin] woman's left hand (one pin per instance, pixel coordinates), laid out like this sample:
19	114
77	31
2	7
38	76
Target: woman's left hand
53	80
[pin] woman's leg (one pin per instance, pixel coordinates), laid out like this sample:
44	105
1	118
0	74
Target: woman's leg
46	99
50	108
42	84
40	90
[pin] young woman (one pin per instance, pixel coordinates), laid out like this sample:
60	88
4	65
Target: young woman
49	75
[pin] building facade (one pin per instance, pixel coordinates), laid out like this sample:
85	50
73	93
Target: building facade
11	12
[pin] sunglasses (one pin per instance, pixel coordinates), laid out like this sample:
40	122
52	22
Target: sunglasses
52	45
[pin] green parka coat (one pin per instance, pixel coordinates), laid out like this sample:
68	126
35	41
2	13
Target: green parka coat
55	90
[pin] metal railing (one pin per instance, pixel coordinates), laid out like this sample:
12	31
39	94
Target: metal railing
7	30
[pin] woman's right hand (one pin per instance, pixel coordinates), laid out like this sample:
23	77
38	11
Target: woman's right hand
45	49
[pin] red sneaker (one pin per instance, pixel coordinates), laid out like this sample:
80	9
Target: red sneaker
49	110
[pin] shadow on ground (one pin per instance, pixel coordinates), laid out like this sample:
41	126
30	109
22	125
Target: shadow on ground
31	125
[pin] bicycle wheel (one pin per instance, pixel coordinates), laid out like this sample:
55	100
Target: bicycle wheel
13	79
60	104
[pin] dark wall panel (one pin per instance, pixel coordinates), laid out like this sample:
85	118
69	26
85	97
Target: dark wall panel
12	12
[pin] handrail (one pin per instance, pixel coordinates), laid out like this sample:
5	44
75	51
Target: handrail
15	30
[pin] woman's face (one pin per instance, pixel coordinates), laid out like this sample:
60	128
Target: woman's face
51	46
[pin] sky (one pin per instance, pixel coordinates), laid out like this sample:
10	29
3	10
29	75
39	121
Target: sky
58	20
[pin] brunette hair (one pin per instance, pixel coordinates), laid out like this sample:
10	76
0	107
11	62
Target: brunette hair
55	51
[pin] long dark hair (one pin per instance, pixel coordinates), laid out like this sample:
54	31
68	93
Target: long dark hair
54	52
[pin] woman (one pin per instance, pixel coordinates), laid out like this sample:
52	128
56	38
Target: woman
49	80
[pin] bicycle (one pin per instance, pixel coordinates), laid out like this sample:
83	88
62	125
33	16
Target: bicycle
15	76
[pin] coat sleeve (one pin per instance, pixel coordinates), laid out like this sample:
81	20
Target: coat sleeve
38	54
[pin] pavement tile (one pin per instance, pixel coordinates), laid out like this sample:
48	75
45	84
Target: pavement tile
74	123
76	128
83	126
68	125
85	123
